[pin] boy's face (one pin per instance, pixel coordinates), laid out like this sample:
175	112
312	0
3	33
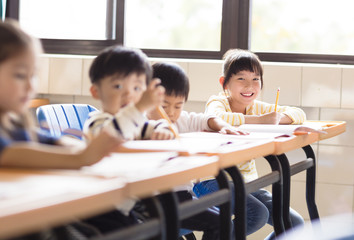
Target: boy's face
116	92
173	106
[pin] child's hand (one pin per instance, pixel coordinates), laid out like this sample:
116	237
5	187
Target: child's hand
162	134
99	147
270	118
152	97
232	130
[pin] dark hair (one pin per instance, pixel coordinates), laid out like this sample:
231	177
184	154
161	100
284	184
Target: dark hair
236	60
121	61
14	41
173	79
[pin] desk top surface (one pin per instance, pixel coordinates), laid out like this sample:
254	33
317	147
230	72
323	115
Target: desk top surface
30	199
37	199
44	198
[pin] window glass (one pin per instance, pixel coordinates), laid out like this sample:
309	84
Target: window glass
178	24
302	26
64	19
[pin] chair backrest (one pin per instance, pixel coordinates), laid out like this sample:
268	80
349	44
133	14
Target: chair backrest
57	118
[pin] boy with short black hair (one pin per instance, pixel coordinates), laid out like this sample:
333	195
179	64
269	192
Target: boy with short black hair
121	80
176	84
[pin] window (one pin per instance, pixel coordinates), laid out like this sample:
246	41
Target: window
316	31
303	26
64	19
179	24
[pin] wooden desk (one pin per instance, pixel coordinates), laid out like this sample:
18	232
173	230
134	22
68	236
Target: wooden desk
32	200
231	150
232	154
149	173
333	128
159	173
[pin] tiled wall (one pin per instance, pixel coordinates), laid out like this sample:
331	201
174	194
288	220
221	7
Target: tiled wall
325	92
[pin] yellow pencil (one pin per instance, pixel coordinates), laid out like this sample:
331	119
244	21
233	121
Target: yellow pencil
164	116
276	100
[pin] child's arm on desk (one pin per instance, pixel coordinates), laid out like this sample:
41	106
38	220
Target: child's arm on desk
37	155
219	125
268	118
283	115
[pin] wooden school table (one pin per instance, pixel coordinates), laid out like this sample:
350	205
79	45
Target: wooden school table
281	216
231	154
148	174
31	200
283	145
231	150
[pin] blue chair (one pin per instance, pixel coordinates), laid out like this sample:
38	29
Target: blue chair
64	119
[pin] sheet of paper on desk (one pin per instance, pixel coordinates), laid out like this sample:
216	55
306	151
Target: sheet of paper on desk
196	142
139	165
281	129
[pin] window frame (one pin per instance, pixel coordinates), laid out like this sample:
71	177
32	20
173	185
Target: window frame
234	34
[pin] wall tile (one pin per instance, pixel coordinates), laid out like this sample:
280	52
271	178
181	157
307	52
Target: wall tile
312	113
335	164
194	106
43	75
59	99
204	80
346	138
299	155
347	88
298	198
333	199
321	86
86	83
288	78
65	76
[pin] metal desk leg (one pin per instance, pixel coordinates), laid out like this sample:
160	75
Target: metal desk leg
284	162
225	208
170	203
277	195
240	203
311	184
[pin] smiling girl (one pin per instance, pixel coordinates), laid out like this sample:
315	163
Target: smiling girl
242	82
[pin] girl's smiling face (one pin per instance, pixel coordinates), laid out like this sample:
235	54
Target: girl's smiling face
243	87
16	82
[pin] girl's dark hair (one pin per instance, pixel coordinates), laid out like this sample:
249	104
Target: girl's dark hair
236	60
173	79
14	41
121	61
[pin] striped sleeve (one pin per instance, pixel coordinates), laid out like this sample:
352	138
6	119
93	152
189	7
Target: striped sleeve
151	126
128	123
94	125
221	108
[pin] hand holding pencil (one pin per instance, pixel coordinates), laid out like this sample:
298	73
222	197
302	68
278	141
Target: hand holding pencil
163	114
152	97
